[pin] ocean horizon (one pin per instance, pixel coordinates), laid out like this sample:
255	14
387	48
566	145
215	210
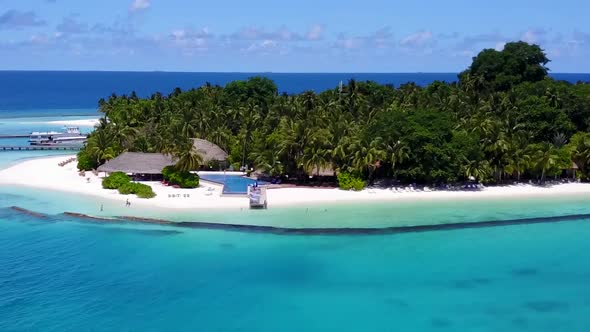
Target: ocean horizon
47	90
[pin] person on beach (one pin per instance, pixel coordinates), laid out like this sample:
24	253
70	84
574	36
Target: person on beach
101	207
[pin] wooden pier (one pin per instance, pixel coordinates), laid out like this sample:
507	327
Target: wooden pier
15	136
39	148
257	197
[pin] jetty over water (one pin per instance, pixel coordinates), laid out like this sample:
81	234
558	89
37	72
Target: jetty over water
39	148
257	197
15	136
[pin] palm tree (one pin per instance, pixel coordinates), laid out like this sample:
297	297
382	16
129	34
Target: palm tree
396	152
101	146
366	154
580	148
559	140
268	160
478	169
545	159
518	156
316	157
188	157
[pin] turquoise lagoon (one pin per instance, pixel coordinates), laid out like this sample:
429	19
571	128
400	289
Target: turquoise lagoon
61	274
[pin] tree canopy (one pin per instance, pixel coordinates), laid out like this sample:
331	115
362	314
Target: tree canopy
504	120
517	63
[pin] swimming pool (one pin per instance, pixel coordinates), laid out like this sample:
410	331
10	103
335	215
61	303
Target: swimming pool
232	184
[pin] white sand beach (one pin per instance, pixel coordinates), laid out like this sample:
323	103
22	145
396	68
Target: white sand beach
76	123
47	174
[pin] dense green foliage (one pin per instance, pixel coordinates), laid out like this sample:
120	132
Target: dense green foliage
115	180
501	70
504	120
85	161
139	189
183	179
121	182
347	181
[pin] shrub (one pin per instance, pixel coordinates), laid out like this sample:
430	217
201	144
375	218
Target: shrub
127	188
139	189
85	161
115	180
166	171
347	181
183	179
214	164
144	191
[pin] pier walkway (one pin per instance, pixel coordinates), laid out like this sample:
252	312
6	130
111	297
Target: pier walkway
15	136
39	147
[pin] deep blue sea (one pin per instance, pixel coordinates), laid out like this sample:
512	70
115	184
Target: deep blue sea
35	90
62	274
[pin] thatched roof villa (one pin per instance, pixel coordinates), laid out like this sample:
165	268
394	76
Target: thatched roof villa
153	163
209	151
138	163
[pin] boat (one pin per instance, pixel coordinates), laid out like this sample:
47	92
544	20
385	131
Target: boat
71	136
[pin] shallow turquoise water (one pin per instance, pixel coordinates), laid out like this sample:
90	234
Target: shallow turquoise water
25	125
77	276
65	275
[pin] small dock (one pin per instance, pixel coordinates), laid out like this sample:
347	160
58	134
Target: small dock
15	136
257	197
39	148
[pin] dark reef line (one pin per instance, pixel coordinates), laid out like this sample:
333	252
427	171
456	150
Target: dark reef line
312	231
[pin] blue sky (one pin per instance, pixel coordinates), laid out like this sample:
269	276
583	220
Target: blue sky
284	36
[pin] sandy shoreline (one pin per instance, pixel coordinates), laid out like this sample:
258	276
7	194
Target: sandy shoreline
76	123
45	173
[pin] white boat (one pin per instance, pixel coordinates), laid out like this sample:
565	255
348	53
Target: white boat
71	136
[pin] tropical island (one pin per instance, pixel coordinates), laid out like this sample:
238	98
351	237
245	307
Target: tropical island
505	121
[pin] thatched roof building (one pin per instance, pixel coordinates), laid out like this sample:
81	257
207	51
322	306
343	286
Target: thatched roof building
209	151
138	163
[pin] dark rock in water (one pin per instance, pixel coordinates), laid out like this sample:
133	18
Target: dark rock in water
87	217
150	232
28	212
227	245
524	272
546	306
440	322
145	220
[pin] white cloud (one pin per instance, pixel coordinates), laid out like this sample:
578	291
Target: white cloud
500	46
380	39
418	39
139	5
349	43
266	47
14	19
71	25
255	33
533	36
315	32
39	39
191	40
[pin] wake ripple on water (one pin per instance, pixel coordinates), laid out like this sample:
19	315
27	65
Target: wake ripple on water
72	216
